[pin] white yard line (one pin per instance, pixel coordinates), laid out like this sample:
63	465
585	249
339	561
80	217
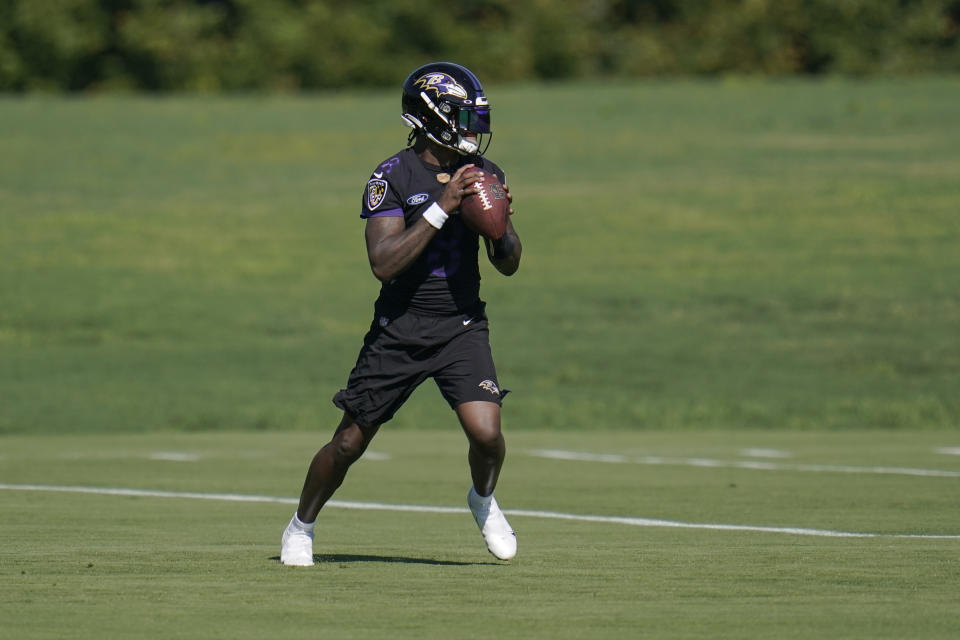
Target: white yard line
948	451
377	506
580	456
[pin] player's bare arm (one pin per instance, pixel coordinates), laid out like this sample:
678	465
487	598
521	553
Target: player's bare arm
505	252
392	246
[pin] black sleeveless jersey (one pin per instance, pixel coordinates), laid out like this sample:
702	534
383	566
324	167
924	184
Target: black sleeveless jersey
445	277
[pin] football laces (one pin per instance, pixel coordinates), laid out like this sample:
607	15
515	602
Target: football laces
484	196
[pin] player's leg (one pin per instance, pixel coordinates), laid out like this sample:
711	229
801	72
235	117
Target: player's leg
481	424
330	464
324	476
468	381
385	375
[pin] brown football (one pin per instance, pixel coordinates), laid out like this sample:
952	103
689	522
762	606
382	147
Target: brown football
486	212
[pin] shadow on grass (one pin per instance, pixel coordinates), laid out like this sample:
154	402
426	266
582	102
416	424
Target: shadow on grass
344	558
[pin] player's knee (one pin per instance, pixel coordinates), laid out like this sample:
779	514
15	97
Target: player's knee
486	437
349	445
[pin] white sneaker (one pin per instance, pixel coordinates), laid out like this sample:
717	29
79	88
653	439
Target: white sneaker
296	545
500	538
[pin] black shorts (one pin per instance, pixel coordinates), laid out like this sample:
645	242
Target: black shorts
401	352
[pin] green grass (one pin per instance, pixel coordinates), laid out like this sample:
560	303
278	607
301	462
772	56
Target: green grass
697	255
709	267
79	565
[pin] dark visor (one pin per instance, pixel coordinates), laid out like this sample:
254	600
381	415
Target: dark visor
474	119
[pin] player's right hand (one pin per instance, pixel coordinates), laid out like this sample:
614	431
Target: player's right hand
460	186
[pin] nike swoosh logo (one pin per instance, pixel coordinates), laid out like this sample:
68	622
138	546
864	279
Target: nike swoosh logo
377	174
467	321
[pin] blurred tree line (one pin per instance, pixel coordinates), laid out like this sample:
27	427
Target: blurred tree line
210	45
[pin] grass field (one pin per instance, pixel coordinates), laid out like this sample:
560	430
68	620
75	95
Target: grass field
734	340
138	566
697	255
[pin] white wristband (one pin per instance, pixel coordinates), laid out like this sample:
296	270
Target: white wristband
435	215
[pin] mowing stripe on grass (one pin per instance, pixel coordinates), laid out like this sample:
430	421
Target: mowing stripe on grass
580	456
174	456
377	506
757	452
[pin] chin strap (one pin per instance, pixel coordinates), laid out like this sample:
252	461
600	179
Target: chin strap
466	147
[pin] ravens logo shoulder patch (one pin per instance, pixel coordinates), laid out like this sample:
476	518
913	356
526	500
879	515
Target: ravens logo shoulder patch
376	192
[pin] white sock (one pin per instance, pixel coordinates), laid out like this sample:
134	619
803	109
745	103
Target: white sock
482	499
306	527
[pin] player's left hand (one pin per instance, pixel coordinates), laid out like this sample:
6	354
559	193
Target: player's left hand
509	200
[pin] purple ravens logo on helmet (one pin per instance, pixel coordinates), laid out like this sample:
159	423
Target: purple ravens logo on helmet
441	84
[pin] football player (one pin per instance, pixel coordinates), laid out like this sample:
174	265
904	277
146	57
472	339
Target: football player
429	320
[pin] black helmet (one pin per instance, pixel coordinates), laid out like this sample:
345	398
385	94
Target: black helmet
445	101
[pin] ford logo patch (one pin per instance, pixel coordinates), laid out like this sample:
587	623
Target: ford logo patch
419	198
